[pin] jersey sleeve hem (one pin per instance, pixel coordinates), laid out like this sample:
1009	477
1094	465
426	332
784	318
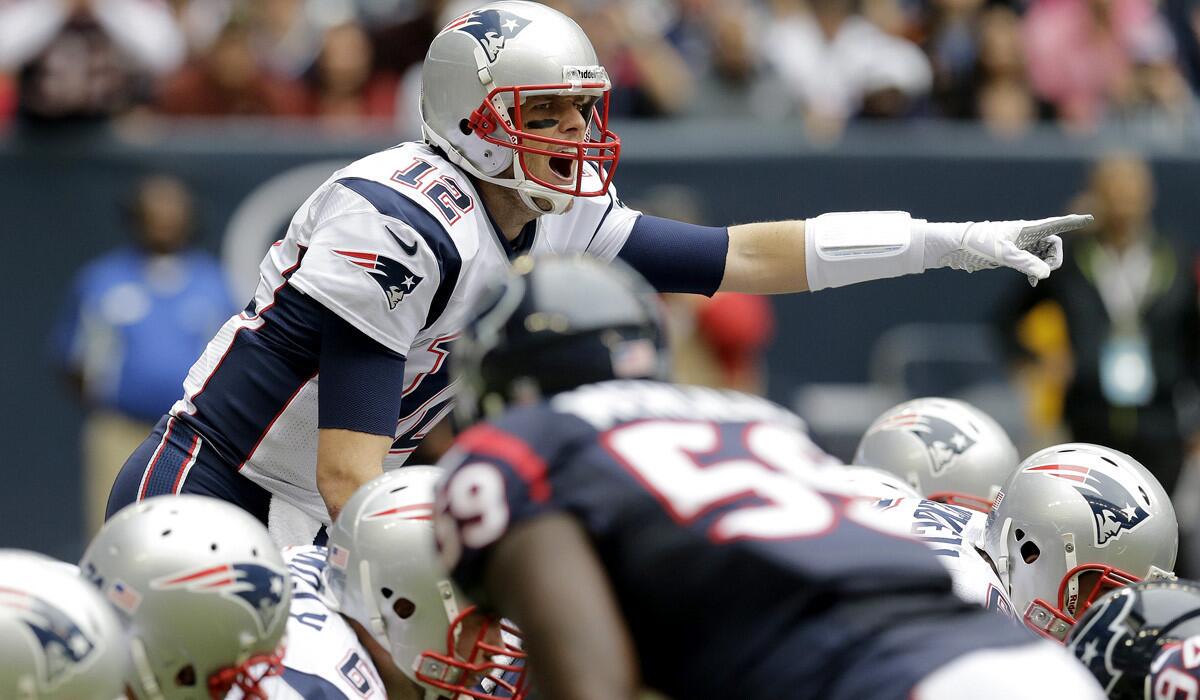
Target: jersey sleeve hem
351	317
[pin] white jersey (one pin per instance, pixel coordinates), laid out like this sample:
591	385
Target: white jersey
951	532
397	244
323	658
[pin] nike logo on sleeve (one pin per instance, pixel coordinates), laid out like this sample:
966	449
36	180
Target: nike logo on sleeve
409	248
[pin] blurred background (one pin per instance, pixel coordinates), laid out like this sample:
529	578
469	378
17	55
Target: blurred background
150	151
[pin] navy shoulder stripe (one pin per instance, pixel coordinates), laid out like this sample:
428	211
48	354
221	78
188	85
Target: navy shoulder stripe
391	203
312	687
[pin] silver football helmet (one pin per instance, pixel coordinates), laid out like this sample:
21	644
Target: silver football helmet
489	61
203	590
383	571
59	639
947	449
1076	516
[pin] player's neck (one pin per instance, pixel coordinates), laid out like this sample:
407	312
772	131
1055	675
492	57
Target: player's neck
505	207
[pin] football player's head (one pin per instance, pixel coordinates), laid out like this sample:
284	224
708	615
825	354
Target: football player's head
1141	641
552	325
59	639
383	571
948	450
1073	522
203	591
513	93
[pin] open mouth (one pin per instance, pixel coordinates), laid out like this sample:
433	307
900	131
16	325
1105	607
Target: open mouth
564	168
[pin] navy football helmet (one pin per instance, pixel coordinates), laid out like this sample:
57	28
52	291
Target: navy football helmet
555	324
1120	635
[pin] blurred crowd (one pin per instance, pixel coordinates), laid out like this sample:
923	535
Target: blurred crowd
354	64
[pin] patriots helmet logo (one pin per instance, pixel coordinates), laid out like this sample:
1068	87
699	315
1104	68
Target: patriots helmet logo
491	28
1099	642
1115	510
943	440
393	277
65	648
257	588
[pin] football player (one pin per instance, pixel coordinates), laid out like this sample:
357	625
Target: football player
203	592
947	449
372	614
59	640
1142	642
368	289
1073	522
642	532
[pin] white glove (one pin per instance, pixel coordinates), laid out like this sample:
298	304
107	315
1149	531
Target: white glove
1032	247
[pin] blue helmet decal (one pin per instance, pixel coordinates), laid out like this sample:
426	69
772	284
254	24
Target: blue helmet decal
491	28
1115	510
63	647
943	440
1100	637
257	588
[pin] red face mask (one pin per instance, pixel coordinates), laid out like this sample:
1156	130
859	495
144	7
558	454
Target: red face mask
603	153
245	678
1055	621
486	658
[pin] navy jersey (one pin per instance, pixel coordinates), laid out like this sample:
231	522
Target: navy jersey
736	577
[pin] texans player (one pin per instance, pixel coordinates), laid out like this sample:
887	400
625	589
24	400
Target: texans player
369	287
646	533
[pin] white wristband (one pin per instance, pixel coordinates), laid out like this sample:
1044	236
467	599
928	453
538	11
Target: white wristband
849	247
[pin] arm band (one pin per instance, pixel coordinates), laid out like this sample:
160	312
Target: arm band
677	257
849	247
360	380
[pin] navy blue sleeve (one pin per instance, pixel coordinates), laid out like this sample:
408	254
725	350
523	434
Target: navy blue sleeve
361	380
677	257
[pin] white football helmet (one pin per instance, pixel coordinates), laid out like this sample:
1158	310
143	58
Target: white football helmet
383	571
1073	516
947	449
489	61
203	590
59	639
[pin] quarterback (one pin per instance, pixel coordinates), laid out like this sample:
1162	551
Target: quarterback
336	368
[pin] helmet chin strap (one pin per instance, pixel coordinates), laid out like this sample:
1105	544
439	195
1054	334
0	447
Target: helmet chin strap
141	664
537	198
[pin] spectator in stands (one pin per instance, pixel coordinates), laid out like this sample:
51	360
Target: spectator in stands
649	76
230	81
134	322
718	42
85	60
1129	302
1082	53
838	65
1002	97
344	91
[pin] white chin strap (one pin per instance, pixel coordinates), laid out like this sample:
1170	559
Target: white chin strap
537	198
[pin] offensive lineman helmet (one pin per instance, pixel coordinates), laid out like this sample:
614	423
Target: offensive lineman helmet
490	61
1073	516
59	639
384	574
1140	636
948	450
555	324
203	590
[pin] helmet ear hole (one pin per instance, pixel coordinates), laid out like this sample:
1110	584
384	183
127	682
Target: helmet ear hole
186	678
1019	534
1030	552
465	127
404	608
